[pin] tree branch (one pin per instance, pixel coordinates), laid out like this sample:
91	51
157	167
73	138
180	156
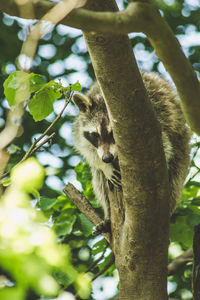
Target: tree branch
137	17
8	134
51	18
144	173
144	17
196	264
84	206
180	261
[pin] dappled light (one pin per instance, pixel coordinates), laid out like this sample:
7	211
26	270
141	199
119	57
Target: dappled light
47	245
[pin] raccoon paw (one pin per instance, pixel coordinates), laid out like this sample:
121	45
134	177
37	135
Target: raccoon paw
111	186
116	179
102	227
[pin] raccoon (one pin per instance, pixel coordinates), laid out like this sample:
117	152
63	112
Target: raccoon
94	139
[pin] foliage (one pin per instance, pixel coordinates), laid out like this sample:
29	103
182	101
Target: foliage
47	244
28	247
20	86
30	241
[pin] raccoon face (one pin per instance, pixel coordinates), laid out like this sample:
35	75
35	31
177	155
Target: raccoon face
101	137
96	127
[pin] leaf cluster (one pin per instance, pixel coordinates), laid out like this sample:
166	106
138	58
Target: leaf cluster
40	95
72	230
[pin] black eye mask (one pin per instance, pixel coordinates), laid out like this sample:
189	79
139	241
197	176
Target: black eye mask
92	137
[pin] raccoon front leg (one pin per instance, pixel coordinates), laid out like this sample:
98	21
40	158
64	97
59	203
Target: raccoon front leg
112	173
100	187
115	179
116	175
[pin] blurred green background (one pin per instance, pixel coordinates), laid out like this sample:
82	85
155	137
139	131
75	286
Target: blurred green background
62	56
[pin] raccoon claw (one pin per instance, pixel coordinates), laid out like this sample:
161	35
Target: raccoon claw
117	174
116	179
102	227
111	186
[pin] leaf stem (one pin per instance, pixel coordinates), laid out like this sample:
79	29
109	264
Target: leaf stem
35	148
105	268
97	260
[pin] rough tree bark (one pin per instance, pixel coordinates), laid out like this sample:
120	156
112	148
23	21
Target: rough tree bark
140	250
139	217
139	16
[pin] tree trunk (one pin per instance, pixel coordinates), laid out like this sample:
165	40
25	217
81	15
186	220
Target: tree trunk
140	250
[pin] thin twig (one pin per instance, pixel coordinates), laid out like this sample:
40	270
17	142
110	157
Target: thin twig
192	176
31	152
48	129
35	148
96	261
105	268
192	161
42	143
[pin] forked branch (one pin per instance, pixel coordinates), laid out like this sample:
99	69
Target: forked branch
84	206
137	17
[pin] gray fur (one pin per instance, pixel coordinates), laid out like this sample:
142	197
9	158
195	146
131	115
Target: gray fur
175	136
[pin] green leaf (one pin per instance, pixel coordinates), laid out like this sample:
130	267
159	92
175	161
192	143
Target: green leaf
182	230
36	82
62	198
28	175
63	279
107	260
99	246
8	293
5	182
190	191
47	203
64	228
13	149
64	222
41	105
20	85
84	176
67	215
62	202
192	183
195	201
17	87
74	87
35	193
83	286
85	225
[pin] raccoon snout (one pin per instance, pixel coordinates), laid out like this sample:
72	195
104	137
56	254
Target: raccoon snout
107	158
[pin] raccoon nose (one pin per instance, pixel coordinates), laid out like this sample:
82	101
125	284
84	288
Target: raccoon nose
107	158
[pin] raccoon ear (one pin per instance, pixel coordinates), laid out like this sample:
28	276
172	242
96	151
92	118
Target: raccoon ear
83	102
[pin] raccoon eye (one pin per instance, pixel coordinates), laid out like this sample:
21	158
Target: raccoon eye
92	137
111	138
